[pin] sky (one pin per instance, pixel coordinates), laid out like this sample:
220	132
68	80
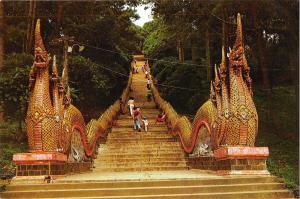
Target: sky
145	15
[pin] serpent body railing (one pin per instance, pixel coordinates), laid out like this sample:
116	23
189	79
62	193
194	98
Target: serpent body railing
229	117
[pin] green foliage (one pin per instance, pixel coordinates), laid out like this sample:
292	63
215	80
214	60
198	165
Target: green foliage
95	85
10	144
284	157
181	84
164	67
6	153
158	40
8	131
14	83
283	115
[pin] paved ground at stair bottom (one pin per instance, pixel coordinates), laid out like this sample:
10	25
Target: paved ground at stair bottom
145	175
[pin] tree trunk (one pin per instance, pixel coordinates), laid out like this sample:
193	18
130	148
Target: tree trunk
1	34
207	53
30	27
194	54
263	63
180	51
193	51
224	28
1	48
59	12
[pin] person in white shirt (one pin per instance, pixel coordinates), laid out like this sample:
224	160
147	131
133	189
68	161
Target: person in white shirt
131	105
148	83
145	123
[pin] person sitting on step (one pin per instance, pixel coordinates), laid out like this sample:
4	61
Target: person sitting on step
160	117
122	111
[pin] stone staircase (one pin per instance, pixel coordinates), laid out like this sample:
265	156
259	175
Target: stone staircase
150	165
208	188
130	150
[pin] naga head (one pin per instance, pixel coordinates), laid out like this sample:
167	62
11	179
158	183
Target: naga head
223	69
212	93
236	56
40	53
217	82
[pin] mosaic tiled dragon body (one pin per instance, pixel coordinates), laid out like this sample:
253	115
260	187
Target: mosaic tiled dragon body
230	113
53	123
229	117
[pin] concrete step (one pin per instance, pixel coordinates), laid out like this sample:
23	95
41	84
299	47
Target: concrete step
122	124
138	163
136	149
134	155
283	194
140	150
145	105
144	139
130	120
154	145
139	168
129	128
150	111
142	144
125	142
127	116
118	129
128	159
146	183
205	190
134	135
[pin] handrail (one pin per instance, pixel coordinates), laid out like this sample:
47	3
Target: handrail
229	117
103	123
179	126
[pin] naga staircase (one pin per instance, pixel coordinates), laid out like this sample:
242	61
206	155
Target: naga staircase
213	157
150	165
129	150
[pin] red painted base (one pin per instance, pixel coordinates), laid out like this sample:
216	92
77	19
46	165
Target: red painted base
242	160
226	153
39	158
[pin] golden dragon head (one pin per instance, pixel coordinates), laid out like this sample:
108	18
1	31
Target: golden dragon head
40	53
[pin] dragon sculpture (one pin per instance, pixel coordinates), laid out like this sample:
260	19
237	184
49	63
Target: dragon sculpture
229	117
53	123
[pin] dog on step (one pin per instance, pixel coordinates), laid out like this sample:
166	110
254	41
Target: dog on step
48	179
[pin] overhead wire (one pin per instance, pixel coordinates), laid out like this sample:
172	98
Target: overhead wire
171	86
141	80
173	62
